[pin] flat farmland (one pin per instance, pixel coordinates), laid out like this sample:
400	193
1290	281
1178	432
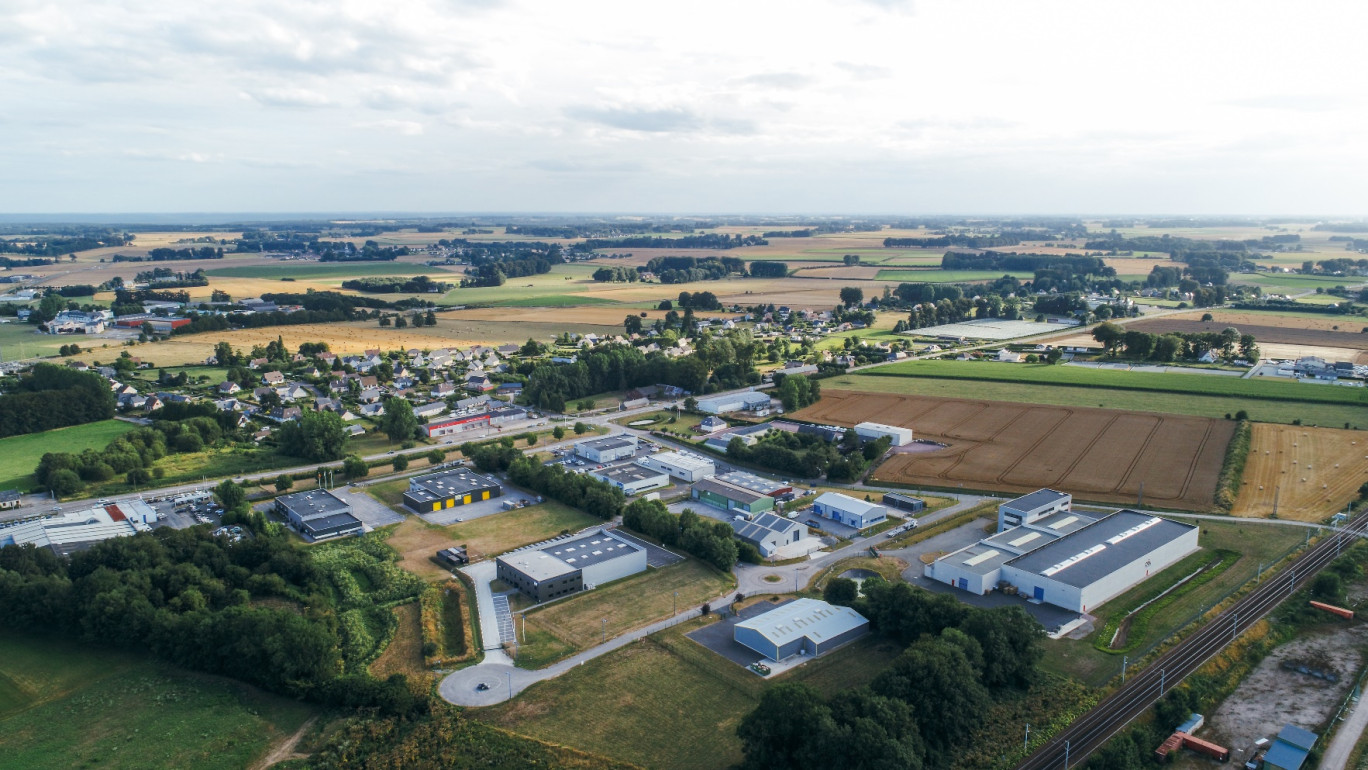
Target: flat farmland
1097	454
1313	472
1299	330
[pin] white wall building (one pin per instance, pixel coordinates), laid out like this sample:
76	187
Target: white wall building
734	402
685	466
1028	508
848	510
632	478
77	530
872	431
608	449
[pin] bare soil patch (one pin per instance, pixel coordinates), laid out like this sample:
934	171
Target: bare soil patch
1313	472
1098	454
1268	328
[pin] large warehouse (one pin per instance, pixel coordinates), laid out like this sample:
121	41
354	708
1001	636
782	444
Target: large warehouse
871	431
734	402
567	566
1070	560
449	426
684	466
848	510
318	514
67	533
801	627
632	478
449	488
606	450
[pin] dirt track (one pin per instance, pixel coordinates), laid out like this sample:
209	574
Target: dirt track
1096	454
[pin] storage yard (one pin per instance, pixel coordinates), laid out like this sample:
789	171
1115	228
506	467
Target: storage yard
1312	472
1099	454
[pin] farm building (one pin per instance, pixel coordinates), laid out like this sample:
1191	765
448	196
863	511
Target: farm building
1291	749
904	502
1068	560
871	431
67	533
736	402
632	478
1028	508
768	532
318	514
448	426
801	627
684	466
606	450
449	488
731	497
848	510
567	566
754	483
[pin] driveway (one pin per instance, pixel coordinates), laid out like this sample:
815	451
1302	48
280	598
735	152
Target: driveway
482	574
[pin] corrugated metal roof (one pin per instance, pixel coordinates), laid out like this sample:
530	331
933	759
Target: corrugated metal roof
810	618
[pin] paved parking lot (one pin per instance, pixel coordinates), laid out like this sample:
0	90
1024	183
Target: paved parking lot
370	511
477	510
655	555
718	636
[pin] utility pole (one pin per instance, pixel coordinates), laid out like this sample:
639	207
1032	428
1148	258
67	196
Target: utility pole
605	630
1125	661
1276	491
1026	744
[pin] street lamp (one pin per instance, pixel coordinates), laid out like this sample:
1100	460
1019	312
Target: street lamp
605	630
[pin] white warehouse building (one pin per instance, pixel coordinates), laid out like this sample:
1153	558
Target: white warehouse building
1069	560
606	450
735	402
873	431
848	510
684	466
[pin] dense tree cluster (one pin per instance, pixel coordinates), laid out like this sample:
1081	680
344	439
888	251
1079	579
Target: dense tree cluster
690	269
796	391
370	251
77	290
166	278
597	498
49	245
710	540
53	397
188	597
698	300
318	436
961	239
617	274
419	284
767	269
1006	261
920	710
1175	345
810	454
168	255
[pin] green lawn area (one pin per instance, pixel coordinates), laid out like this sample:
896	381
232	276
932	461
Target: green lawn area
19	455
330	270
668	702
211	375
210	465
64	706
1260	544
556	300
1110	379
683	424
563	280
578	622
1293	282
1331	415
21	340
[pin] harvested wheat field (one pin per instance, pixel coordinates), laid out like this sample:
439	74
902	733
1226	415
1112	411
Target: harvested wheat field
1314	472
1103	455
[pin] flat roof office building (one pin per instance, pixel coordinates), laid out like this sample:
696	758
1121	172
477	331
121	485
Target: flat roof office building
1028	508
607	450
684	466
318	514
632	478
566	566
449	488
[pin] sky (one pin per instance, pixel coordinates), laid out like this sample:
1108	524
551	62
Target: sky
744	106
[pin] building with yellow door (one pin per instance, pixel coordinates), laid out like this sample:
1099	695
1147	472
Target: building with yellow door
448	489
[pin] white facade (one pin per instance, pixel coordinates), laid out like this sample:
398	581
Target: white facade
848	510
632	478
734	402
681	465
630	563
874	430
606	450
1029	508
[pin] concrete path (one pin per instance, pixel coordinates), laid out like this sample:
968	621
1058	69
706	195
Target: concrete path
1336	756
482	574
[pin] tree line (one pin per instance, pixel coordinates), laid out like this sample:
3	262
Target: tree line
1175	345
577	490
699	241
168	255
998	260
960	239
711	541
370	251
53	397
420	284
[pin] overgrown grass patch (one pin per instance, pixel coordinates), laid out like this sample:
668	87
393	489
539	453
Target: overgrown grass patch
19	455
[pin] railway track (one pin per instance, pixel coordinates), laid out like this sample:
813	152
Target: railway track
1072	746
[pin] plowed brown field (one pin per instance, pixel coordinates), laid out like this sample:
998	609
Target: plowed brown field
1313	471
1103	455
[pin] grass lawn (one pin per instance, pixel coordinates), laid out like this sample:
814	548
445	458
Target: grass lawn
578	622
210	465
668	702
1261	544
1110	379
22	340
19	455
1333	415
64	705
212	375
683	424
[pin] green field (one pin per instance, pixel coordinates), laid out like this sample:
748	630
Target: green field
19	455
1331	415
1110	379
21	341
64	706
554	300
668	702
1260	544
330	270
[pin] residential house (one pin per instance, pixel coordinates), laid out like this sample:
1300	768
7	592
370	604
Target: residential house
285	413
273	378
228	387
